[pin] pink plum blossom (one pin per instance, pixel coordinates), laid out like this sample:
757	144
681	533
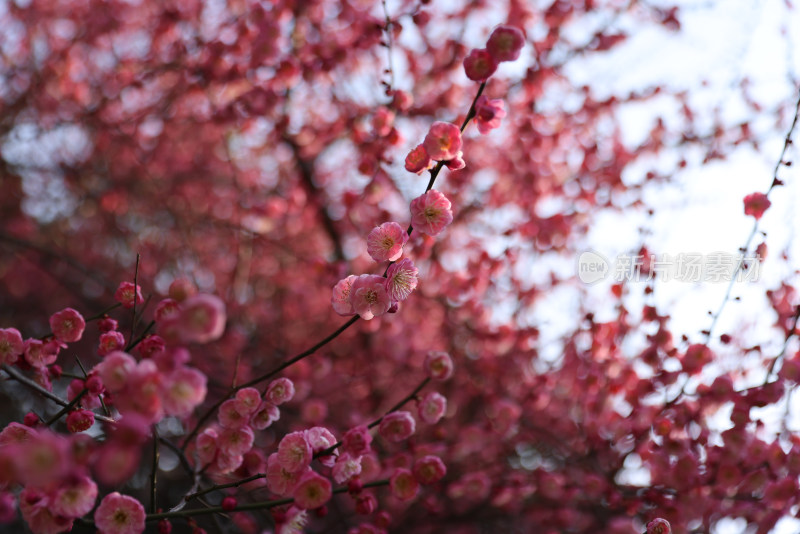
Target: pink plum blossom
457	162
109	342
312	491
505	43
346	467
206	448
183	390
340	299
236	441
294	452
320	439
151	345
479	65
431	212
439	365
429	470
226	462
114	370
247	401
385	242
127	294
397	426
403	484
79	420
165	309
443	141
229	416
659	526
488	113
369	296
279	391
181	289
75	497
202	318
116	462
40	354
418	160
120	514
756	204
280	481
356	441
142	392
432	407
11	345
266	414
36	511
401	279
67	325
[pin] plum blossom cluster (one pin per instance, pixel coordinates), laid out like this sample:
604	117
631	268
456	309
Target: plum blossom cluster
443	142
135	385
225	446
370	295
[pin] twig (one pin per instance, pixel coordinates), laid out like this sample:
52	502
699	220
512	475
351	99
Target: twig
135	294
217	487
377	421
13	373
67	408
775	182
249	506
154	471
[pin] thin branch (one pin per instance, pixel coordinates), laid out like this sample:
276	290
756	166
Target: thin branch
16	375
135	294
217	487
267	376
139	339
775	182
249	506
782	353
154	471
377	421
67	408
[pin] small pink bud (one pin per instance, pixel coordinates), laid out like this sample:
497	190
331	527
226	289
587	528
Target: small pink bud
366	504
80	420
31	420
418	160
107	324
229	504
